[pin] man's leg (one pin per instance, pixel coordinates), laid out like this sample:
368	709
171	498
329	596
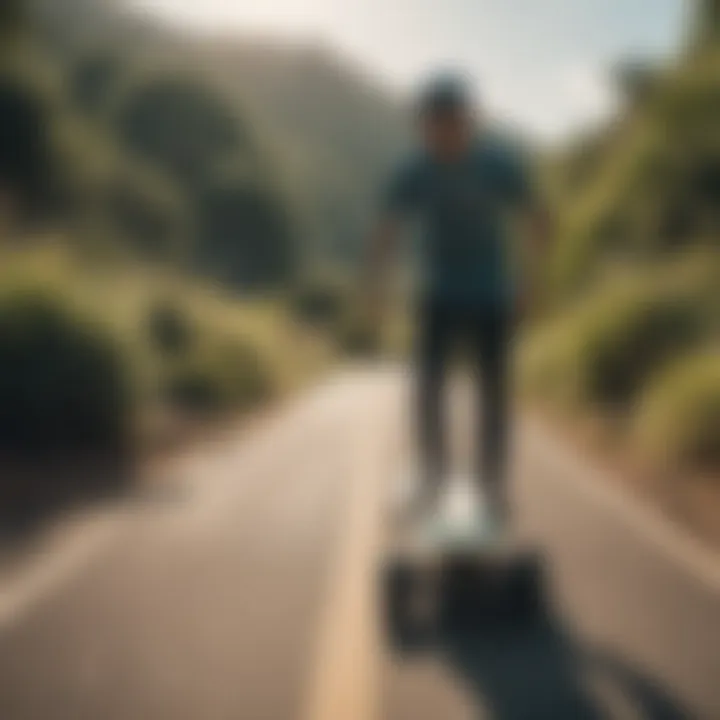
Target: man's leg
493	344
433	350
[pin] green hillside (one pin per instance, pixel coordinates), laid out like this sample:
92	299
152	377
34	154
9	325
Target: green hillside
327	132
637	258
242	163
152	221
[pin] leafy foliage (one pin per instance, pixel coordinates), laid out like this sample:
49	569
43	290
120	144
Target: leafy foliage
243	235
225	375
145	213
25	155
64	384
679	418
321	300
170	329
634	273
606	349
11	14
93	79
655	186
179	125
297	118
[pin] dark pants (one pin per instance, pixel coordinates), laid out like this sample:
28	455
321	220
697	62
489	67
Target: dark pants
485	333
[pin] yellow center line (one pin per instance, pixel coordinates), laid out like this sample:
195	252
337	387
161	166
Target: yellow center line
344	682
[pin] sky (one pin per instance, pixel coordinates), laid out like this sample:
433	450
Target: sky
540	64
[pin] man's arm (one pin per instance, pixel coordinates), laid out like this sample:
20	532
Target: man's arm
401	199
537	230
534	223
381	252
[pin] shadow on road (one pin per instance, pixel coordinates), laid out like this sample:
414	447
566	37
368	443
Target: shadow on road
537	670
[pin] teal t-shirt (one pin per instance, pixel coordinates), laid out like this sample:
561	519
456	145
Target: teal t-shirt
464	209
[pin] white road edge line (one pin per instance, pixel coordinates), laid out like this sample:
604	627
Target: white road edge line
574	471
40	578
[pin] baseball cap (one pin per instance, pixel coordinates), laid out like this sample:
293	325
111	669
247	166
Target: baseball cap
447	92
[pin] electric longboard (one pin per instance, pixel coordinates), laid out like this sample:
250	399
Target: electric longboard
458	582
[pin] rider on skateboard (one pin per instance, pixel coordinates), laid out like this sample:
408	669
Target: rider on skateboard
466	185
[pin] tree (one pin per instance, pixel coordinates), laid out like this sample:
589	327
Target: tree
706	31
10	16
244	237
25	158
636	78
93	79
182	126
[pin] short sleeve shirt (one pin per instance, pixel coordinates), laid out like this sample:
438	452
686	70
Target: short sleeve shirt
464	209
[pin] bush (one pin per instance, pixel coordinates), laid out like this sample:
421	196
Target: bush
355	337
26	156
243	235
678	421
93	78
170	328
629	338
654	188
548	360
229	373
179	124
144	213
321	301
64	382
606	350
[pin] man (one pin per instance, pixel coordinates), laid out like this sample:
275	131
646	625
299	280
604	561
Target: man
466	186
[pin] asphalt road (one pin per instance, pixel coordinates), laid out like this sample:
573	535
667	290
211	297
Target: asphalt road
242	585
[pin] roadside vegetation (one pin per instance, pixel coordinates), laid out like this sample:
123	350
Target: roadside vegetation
180	220
103	360
631	328
153	233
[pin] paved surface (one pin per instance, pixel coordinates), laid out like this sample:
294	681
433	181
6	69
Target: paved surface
246	590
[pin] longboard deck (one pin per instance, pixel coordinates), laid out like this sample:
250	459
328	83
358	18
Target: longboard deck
458	579
413	540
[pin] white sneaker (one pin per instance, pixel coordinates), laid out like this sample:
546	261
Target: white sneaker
493	525
481	526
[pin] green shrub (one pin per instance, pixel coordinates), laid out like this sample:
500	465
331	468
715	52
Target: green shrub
144	213
548	360
26	156
11	14
93	78
65	384
170	328
179	124
321	301
356	337
606	349
654	187
229	373
632	336
678	420
244	238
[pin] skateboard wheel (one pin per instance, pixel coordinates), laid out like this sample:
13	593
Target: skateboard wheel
476	595
466	594
405	625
